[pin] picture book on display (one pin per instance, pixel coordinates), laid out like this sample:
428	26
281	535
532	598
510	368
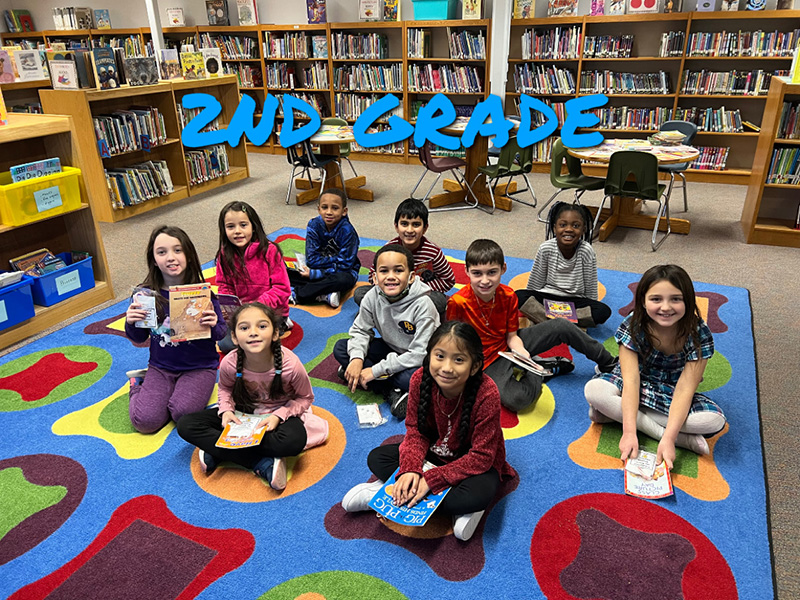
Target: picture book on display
729	5
415	516
244	434
29	65
598	8
18	21
562	8
615	7
63	75
319	46
391	10
175	18
645	479
523	9
6	67
105	68
472	9
248	12
169	64
84	18
212	61
370	10
316	11
142	70
560	309
675	6
186	306
102	20
217	12
38	168
37	263
192	65
642	6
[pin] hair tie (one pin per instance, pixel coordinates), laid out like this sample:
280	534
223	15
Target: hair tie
278	371
238	375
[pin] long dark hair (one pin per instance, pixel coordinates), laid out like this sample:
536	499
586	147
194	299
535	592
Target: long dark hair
560	208
688	325
241	396
155	278
229	255
470	342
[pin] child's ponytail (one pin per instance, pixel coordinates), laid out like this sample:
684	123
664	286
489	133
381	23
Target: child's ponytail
241	396
425	401
276	389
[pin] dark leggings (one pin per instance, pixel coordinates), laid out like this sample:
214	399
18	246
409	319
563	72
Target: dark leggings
307	290
470	495
202	429
600	312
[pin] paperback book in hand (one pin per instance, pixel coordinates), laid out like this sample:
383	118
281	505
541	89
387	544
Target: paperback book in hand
415	516
186	306
244	434
645	479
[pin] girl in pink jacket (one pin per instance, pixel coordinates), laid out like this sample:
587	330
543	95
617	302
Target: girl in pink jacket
249	265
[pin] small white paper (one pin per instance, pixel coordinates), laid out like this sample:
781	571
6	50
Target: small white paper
148	303
369	415
3	312
301	261
47	198
68	282
248	425
643	465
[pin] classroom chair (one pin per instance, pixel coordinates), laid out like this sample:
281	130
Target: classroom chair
689	130
513	161
439	165
344	148
574	179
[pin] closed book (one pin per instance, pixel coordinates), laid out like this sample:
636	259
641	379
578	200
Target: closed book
104	66
192	65
6	67
63	74
83	18
141	70
212	61
317	12
217	12
29	65
248	12
169	65
102	20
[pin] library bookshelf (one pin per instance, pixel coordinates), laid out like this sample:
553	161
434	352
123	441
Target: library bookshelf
132	39
770	211
84	105
29	138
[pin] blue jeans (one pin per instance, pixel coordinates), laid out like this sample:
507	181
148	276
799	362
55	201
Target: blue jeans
377	351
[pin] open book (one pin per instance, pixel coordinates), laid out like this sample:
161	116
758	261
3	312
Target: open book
526	363
645	479
415	516
242	435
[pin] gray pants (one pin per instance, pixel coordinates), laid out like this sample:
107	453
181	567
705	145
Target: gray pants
439	299
516	395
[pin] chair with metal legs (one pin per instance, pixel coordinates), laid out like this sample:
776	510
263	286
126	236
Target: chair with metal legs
439	165
574	179
689	130
512	162
321	161
299	161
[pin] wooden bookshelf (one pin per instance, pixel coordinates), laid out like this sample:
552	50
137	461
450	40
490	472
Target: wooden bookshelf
89	38
20	93
35	137
770	209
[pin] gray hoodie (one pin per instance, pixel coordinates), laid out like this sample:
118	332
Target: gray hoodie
406	326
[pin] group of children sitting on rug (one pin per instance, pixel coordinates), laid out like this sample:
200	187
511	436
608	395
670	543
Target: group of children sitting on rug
451	405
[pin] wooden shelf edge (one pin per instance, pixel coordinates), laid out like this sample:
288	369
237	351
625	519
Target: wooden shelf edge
236	174
181	192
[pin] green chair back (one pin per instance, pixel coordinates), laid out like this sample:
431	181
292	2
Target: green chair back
642	166
344	148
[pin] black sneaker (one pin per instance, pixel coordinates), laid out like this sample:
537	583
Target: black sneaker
340	372
557	365
607	368
397	400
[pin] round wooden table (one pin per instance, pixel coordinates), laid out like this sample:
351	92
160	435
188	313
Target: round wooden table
625	212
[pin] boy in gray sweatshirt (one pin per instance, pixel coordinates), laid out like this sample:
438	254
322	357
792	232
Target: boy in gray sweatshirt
400	309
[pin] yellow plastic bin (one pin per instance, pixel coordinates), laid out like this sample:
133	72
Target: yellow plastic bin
28	201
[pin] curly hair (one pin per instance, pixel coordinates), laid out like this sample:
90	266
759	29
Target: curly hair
560	208
469	341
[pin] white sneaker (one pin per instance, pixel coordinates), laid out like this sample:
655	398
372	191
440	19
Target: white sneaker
333	299
465	525
278	481
357	499
288	323
136	373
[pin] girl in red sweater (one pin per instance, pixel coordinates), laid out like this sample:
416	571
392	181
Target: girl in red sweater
453	421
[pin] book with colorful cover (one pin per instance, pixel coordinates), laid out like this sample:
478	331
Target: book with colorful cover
317	12
217	12
242	435
391	10
105	68
415	516
192	65
523	9
63	74
38	168
370	10
598	8
84	17
560	309
169	64
562	8
645	479
175	17
102	20
615	7
472	9
6	67
212	61
29	65
141	70
319	46
248	12
23	20
186	306
3	111
526	363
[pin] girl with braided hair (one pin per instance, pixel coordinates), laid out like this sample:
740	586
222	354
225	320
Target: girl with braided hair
263	378
453	421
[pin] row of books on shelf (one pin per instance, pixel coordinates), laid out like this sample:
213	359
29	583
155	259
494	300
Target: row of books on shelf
18	21
419	43
232	47
557	43
608	46
246	76
615	82
671	44
315	99
543	79
467	45
187	114
295	46
138	128
734	83
80	17
22	65
711	158
789	124
103	68
445	78
462	110
628	117
350	106
365	77
717	120
396	148
207	164
743	43
282	76
137	183
368	46
131	45
785	166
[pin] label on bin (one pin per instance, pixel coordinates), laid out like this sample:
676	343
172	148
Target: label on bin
3	312
67	283
47	198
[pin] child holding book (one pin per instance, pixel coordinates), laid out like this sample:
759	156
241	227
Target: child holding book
263	378
400	309
430	265
453	422
332	263
565	268
249	265
664	346
491	308
180	375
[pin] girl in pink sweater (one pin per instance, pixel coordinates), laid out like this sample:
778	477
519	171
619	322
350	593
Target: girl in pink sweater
453	422
261	378
249	265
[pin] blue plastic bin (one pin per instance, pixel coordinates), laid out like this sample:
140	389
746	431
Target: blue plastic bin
65	283
16	303
435	10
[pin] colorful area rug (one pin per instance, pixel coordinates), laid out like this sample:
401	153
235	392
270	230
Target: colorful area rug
91	509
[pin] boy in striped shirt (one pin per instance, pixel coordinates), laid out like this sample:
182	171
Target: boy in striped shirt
430	265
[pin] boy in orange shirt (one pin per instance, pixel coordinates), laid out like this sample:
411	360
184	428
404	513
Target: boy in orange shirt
492	309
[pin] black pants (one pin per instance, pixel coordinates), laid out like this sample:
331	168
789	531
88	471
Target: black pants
307	290
471	495
202	429
600	312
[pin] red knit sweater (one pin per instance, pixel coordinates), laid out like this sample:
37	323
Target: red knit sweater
487	449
